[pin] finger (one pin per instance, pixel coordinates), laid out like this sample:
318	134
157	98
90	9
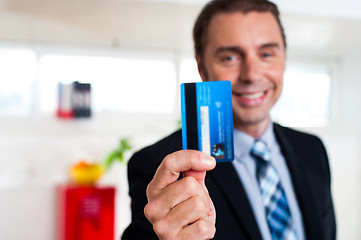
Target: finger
199	230
212	212
187	212
174	195
198	175
175	163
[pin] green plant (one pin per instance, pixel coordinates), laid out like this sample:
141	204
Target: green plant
118	154
179	123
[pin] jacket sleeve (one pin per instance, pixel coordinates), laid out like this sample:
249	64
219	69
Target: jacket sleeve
329	223
141	169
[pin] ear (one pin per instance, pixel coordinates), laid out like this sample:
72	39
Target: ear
201	69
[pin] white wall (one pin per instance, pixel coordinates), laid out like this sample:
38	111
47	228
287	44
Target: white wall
343	146
351	82
106	23
35	152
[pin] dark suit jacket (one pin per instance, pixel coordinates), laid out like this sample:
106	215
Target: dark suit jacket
309	168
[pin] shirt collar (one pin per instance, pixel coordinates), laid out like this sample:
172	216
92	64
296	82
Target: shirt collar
244	142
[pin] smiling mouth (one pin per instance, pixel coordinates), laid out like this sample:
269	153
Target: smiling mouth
251	96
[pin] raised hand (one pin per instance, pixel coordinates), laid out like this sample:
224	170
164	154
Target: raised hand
181	209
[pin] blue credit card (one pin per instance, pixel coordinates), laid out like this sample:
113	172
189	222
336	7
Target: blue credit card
207	118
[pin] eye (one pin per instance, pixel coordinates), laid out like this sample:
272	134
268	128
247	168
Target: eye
267	55
229	58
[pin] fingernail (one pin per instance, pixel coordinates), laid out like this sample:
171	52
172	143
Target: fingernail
208	161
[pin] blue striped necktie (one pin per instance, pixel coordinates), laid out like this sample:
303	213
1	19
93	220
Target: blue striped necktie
273	196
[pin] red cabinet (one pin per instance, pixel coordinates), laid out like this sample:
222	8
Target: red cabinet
85	213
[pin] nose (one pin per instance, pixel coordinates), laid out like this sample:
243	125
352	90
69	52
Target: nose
249	70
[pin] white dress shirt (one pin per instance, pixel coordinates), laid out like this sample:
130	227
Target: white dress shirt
245	166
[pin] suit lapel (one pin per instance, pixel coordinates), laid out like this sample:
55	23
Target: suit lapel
301	185
227	181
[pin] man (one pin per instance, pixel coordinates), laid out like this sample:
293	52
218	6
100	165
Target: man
241	41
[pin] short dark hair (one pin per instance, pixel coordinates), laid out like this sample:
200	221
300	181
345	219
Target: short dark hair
229	6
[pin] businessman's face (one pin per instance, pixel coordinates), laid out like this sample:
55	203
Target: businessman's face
248	50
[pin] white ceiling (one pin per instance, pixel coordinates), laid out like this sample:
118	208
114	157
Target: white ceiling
317	27
331	8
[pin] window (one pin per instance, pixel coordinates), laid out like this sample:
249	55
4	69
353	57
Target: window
305	100
18	69
29	82
306	96
189	71
118	84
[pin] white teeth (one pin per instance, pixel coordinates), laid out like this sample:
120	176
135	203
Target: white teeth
252	96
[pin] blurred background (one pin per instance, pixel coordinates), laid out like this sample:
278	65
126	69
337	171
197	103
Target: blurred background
135	54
